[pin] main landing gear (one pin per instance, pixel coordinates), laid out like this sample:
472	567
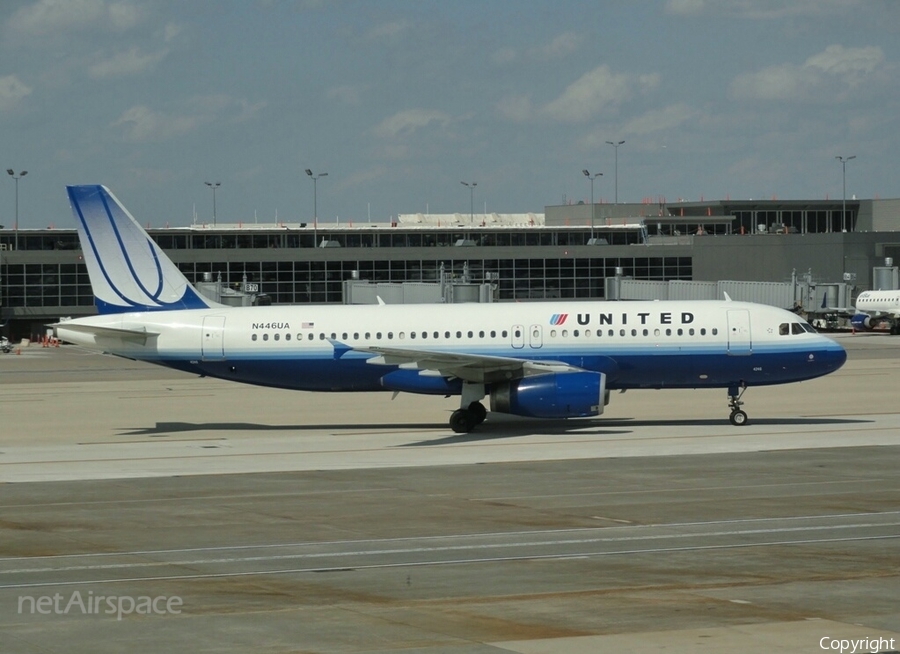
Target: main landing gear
471	412
462	421
737	417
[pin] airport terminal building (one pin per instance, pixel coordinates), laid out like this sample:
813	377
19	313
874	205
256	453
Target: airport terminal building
567	252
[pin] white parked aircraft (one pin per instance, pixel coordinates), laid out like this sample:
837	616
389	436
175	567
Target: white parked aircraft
545	360
875	308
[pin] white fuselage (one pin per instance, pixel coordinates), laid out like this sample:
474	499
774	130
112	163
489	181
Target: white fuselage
636	344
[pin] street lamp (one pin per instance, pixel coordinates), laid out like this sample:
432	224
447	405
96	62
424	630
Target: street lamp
471	188
592	178
12	174
616	146
844	161
315	178
214	186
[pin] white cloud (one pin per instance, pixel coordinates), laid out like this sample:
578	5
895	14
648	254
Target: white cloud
595	91
659	119
390	31
762	9
131	62
141	124
406	122
517	108
827	75
51	17
561	45
12	90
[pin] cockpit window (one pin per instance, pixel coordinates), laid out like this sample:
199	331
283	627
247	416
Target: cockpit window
793	328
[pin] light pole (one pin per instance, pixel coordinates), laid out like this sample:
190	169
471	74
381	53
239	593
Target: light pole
214	186
471	188
592	178
616	146
315	178
844	161
12	174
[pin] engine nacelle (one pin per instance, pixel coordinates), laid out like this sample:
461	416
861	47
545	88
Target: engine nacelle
554	395
862	321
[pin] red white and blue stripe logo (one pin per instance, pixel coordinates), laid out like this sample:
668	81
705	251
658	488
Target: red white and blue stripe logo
558	318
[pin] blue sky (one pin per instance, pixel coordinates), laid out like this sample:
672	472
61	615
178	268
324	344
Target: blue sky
400	101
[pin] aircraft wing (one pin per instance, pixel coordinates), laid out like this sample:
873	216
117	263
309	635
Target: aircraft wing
476	368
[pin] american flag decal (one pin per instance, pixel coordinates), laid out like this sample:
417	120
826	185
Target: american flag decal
307	325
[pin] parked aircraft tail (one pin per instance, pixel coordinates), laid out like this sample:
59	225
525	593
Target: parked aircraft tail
128	270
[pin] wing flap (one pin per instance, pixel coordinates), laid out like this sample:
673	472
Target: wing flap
476	368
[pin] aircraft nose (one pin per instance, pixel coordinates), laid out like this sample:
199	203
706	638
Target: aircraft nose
835	356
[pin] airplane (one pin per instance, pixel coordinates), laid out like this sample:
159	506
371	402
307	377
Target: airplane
875	308
557	359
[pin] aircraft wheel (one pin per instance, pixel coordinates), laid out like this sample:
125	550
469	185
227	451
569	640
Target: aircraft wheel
738	418
479	413
462	421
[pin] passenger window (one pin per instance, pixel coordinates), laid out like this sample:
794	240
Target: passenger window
277	336
552	333
621	332
411	335
368	335
470	334
333	336
646	333
401	335
565	333
680	331
378	335
493	334
390	336
574	332
668	332
691	331
437	334
656	332
703	332
355	336
634	332
715	331
458	334
446	334
505	333
344	336
253	338
612	333
311	336
265	337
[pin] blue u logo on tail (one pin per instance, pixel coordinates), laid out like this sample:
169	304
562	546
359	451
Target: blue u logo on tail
128	270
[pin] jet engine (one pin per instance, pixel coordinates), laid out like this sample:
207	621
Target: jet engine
553	395
862	321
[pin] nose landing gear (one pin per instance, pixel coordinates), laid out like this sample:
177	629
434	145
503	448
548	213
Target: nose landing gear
738	417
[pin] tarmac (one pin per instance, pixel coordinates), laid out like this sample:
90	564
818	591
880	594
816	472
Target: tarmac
153	510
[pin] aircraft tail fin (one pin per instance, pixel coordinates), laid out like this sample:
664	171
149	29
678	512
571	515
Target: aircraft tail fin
128	270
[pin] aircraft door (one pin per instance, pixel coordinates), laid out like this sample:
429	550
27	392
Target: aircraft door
212	341
518	336
739	341
535	336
